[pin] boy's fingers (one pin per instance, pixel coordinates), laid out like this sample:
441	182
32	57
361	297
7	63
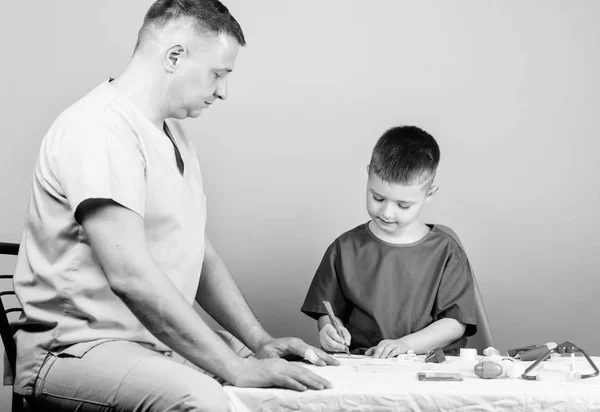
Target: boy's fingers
330	345
387	351
336	346
334	335
370	351
378	351
395	352
347	336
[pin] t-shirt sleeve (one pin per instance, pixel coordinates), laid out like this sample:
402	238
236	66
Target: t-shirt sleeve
326	286
456	294
102	160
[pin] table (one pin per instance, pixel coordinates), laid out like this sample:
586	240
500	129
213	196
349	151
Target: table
367	385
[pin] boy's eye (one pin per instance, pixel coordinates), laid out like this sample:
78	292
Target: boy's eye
403	207
378	199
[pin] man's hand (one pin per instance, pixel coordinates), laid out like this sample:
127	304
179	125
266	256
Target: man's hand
387	348
282	347
331	341
264	373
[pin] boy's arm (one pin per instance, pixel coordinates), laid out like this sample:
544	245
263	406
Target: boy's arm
325	286
438	334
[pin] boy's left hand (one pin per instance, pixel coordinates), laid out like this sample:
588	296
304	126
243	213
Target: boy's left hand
387	348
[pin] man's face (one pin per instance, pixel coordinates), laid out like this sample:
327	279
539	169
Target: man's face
393	207
201	75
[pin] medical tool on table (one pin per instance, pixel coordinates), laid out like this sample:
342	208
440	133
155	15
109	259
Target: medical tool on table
565	347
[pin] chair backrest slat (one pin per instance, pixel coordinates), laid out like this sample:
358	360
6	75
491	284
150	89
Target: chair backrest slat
7	338
6	330
9	248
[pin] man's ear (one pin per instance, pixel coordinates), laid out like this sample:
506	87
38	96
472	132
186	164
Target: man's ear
368	168
172	57
431	192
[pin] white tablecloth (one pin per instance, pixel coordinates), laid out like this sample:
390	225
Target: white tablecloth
391	385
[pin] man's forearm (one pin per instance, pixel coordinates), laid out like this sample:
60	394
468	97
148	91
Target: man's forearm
160	307
221	298
438	334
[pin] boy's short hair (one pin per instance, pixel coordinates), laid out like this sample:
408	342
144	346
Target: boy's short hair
209	16
406	155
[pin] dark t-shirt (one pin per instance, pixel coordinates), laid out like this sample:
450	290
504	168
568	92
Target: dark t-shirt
386	291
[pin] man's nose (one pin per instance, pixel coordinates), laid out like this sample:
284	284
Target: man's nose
221	91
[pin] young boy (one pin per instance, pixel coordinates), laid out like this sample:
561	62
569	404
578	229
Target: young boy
395	283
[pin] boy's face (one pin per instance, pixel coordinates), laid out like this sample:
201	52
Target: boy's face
394	207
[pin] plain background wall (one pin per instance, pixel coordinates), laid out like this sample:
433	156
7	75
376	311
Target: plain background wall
509	89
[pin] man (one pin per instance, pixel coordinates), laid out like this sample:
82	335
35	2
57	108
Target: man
114	243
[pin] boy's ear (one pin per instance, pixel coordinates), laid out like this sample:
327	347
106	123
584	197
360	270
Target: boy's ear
431	192
368	168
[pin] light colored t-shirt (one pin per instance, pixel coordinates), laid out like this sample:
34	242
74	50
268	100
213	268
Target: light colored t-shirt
102	147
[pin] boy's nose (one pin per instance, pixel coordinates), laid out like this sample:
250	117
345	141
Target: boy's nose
388	212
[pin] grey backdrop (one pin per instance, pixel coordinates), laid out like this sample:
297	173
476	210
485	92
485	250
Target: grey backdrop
508	89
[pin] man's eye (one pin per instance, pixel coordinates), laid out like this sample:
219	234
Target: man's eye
378	199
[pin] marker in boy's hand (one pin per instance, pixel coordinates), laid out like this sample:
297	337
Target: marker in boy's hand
331	341
334	321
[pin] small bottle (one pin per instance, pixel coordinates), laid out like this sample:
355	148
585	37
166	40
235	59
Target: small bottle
491	351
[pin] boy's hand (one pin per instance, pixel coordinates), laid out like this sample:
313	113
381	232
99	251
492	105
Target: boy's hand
265	373
331	341
387	348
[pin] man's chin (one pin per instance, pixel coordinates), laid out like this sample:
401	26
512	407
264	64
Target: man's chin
195	113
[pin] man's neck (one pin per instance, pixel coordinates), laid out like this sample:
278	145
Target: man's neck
141	88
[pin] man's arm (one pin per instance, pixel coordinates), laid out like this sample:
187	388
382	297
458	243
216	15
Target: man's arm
117	238
220	297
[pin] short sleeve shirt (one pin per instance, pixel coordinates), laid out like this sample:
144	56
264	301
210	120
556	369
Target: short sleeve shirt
102	147
386	291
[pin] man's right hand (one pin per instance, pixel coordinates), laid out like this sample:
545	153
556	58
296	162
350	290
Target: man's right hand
264	373
331	341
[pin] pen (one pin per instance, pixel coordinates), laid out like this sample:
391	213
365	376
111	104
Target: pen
329	310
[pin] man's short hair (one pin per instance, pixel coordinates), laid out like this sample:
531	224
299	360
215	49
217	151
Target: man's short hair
406	155
209	16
